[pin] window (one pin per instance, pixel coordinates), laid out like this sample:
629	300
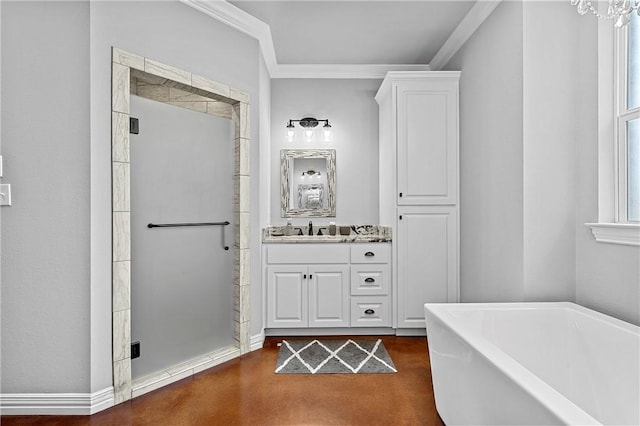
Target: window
628	122
618	134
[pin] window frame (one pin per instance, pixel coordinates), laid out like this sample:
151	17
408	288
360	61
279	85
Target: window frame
622	116
611	227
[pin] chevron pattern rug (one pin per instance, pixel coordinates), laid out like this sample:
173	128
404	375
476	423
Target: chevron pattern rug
333	356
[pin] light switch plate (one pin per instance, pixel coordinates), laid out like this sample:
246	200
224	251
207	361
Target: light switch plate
5	194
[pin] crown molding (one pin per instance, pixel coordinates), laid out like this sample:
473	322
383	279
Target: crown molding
465	29
240	20
234	17
374	71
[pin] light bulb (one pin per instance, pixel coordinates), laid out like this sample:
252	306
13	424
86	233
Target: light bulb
308	135
327	132
291	132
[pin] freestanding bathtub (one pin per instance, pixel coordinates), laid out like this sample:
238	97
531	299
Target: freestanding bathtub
532	363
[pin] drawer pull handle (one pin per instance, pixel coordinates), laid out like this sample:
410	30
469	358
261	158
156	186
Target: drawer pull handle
369	312
369	280
369	254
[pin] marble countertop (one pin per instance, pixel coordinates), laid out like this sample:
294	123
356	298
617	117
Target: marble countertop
358	234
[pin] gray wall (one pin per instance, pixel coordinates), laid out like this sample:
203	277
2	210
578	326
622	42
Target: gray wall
45	233
353	112
491	200
550	120
56	238
607	275
529	170
178	35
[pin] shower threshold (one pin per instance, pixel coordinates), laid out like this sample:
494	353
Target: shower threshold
183	370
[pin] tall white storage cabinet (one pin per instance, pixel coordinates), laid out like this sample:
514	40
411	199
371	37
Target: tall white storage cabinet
419	175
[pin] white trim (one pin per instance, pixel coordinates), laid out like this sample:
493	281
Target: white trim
242	21
377	71
82	404
465	29
412	332
257	341
607	156
616	233
237	18
393	77
346	331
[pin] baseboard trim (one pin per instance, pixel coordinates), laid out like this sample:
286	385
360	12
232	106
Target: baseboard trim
411	332
362	331
257	341
81	404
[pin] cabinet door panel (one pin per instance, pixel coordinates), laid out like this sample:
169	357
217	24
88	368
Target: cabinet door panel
427	261
287	294
427	143
329	296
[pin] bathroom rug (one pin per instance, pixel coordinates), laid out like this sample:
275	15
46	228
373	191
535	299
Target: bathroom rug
333	356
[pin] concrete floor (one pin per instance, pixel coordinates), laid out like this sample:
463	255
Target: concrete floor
245	391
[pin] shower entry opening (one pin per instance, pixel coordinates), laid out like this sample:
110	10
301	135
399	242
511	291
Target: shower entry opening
181	211
180	280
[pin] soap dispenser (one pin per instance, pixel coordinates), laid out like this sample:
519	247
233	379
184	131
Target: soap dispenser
288	230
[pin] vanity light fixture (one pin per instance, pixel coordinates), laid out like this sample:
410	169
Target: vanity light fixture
308	125
311	174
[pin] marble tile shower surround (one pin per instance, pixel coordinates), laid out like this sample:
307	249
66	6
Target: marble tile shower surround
153	80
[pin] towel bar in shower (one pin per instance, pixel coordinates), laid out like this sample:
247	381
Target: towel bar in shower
175	225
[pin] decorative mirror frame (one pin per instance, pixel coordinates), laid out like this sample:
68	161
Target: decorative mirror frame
286	203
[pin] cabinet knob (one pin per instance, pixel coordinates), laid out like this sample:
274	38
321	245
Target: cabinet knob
400	217
369	280
369	254
401	195
310	276
369	312
304	276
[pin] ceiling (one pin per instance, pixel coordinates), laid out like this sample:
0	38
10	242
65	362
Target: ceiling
358	32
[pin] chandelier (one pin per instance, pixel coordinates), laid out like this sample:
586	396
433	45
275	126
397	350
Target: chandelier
619	10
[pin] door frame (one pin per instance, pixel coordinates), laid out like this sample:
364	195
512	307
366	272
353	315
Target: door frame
160	80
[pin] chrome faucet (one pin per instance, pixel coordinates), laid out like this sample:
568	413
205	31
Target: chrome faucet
310	228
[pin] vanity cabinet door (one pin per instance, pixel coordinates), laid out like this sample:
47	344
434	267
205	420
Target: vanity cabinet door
427	261
329	296
287	295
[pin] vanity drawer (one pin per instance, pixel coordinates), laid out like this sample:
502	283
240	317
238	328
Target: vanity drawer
371	279
370	311
307	253
371	253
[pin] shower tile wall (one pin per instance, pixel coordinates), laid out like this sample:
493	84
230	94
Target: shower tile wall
133	74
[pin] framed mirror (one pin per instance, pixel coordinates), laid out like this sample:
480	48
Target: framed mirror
308	182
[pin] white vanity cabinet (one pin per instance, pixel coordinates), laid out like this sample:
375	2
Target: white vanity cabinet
370	285
307	285
419	188
330	285
427	261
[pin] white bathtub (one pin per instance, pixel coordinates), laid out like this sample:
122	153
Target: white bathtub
533	363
